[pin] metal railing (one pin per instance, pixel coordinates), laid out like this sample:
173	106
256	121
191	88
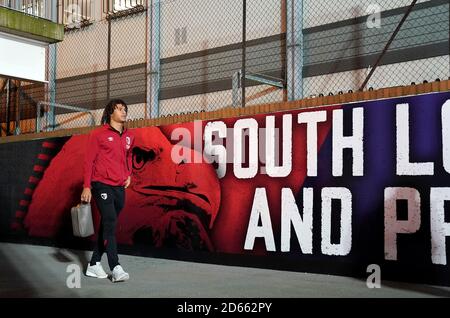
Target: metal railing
39	8
75	13
46	120
114	6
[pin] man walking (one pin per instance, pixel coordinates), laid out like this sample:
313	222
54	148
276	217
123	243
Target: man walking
107	172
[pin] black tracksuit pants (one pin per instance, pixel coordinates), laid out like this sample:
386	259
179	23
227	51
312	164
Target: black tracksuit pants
110	201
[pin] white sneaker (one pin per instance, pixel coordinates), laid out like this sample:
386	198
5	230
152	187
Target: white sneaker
96	271
119	275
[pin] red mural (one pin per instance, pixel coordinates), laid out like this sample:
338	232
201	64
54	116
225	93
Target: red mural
169	204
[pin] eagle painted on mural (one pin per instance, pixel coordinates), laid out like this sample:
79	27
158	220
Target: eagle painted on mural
168	204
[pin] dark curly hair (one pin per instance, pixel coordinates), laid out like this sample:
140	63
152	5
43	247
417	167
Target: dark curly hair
109	110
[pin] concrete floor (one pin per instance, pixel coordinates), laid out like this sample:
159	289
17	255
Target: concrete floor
40	271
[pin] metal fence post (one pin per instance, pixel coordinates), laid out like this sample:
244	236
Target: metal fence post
108	72
244	50
8	104
235	90
52	70
153	70
17	108
294	49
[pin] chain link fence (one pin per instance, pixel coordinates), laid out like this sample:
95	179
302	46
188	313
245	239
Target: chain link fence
342	44
202	54
172	57
200	51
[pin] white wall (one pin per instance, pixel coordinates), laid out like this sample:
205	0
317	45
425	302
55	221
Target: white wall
22	58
